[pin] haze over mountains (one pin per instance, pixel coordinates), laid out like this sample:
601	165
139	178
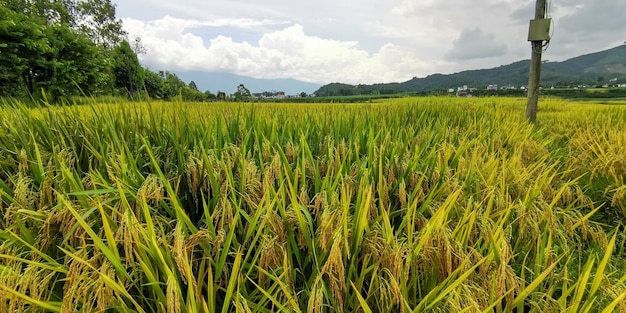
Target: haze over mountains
594	68
228	83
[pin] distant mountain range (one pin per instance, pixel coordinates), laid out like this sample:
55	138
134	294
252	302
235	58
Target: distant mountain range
592	69
228	83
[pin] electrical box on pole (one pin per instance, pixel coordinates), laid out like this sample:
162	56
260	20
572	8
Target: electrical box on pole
539	29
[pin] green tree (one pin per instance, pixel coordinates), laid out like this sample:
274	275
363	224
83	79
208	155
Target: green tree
22	49
154	84
51	12
189	94
76	64
96	18
173	85
209	96
242	93
193	85
64	47
127	72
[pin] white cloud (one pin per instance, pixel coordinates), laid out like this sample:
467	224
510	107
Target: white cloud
475	44
285	53
352	41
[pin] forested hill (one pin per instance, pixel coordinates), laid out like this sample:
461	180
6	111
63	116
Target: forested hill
592	69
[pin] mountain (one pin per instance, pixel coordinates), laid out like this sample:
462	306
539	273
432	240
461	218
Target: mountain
228	83
594	68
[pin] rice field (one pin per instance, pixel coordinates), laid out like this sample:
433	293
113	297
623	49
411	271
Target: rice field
406	205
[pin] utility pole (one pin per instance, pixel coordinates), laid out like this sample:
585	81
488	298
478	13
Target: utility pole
539	32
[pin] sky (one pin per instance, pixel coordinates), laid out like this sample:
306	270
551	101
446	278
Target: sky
359	41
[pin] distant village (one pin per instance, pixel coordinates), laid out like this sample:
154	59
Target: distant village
466	91
279	95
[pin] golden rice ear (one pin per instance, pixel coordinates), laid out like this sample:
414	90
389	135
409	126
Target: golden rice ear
223	214
316	302
334	271
272	256
402	195
241	304
290	152
179	252
23	162
320	203
303	197
619	199
329	224
253	185
23	194
151	190
173	293
194	172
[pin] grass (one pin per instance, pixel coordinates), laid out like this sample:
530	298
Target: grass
410	205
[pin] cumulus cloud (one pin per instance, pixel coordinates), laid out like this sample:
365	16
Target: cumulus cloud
360	41
285	53
473	43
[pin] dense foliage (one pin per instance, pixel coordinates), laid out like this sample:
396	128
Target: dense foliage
63	49
422	204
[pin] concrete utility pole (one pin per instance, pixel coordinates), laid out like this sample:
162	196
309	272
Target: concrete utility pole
536	35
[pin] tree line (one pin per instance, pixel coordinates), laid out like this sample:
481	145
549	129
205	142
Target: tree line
62	49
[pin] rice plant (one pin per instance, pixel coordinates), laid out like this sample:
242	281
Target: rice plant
409	205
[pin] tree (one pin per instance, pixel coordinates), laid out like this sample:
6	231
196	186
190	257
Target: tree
138	46
22	50
35	55
154	84
96	18
66	47
193	85
209	96
242	93
172	85
51	12
76	64
127	72
193	95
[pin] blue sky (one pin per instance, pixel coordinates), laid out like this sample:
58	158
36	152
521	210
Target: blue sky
365	41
